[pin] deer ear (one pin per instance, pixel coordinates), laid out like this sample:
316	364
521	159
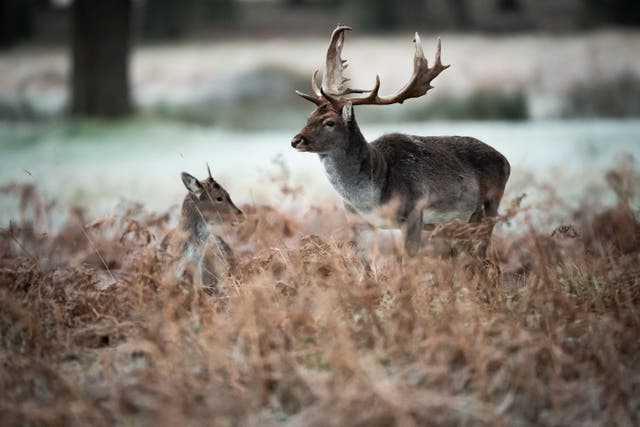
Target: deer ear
347	112
192	184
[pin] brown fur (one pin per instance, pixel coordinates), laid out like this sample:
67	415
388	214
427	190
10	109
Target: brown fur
198	254
439	177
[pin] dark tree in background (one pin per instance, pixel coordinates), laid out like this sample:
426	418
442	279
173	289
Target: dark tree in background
166	19
619	12
16	20
383	15
462	18
170	19
101	37
508	6
378	15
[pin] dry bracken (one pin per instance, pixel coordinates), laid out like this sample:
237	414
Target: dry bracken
547	334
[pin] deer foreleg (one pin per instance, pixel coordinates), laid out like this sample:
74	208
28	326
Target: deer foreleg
413	232
361	232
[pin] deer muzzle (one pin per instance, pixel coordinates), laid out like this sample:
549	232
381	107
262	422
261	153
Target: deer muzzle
298	142
238	216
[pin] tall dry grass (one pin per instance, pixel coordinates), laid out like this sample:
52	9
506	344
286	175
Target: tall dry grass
548	333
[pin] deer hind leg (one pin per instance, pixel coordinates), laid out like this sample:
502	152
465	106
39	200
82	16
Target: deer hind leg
413	233
361	242
360	238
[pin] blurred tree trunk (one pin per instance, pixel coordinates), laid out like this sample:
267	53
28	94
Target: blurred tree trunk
101	31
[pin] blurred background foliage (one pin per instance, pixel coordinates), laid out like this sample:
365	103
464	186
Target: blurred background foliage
98	80
46	20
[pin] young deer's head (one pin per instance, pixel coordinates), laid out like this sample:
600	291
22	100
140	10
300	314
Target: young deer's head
332	122
208	202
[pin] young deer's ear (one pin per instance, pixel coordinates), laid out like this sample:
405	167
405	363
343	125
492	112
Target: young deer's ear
192	184
347	112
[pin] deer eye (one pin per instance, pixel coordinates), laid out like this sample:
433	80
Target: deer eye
329	123
218	199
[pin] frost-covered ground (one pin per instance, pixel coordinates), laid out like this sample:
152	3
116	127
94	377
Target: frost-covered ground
248	84
100	165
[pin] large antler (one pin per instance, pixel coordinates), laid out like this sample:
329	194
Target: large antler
418	85
332	80
333	90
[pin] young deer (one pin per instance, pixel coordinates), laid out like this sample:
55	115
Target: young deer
421	180
199	253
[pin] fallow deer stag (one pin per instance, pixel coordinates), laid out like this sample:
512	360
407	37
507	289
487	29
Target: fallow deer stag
199	253
424	180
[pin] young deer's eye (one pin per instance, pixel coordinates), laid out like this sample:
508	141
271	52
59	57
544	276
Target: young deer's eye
328	123
218	199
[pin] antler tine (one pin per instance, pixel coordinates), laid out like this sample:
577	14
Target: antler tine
418	85
316	100
333	100
350	91
314	83
371	98
209	171
437	65
332	79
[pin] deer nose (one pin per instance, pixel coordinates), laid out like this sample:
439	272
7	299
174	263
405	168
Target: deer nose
297	140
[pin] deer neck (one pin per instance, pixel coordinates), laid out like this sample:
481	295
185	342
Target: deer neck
192	224
356	171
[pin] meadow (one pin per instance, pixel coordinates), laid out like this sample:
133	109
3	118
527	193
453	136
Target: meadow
547	332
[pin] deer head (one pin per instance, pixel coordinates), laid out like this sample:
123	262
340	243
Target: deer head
329	125
326	129
208	201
